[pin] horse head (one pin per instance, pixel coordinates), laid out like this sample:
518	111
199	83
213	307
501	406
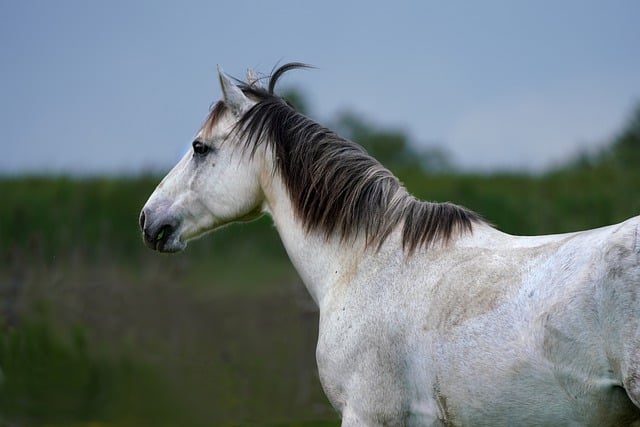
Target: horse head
215	183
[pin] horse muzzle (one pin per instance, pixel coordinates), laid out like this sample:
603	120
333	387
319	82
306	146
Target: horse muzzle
160	234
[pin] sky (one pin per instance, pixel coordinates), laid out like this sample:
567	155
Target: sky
90	87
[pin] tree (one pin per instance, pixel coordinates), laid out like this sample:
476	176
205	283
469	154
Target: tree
626	147
392	147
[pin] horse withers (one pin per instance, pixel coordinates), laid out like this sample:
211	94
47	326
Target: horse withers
428	315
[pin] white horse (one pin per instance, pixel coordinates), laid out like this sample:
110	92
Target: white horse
428	315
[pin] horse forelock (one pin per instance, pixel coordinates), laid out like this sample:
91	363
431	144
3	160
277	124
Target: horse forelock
335	186
213	117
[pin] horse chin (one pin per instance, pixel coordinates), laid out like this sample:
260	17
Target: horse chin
171	246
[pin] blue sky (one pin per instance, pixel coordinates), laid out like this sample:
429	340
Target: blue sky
122	86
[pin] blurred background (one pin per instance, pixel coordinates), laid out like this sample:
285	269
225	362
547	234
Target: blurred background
526	112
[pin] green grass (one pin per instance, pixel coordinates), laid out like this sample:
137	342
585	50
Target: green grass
152	352
53	379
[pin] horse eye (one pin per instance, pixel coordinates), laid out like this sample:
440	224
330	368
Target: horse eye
200	148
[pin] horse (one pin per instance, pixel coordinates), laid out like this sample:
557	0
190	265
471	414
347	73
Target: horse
429	315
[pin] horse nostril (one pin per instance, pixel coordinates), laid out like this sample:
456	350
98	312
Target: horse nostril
160	235
164	233
142	218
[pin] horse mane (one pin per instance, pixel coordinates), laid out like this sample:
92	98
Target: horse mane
335	185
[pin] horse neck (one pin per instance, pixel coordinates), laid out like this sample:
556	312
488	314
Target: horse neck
320	261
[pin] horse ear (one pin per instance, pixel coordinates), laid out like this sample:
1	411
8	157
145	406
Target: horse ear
252	79
232	95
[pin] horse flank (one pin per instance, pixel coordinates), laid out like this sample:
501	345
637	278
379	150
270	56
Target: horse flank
336	187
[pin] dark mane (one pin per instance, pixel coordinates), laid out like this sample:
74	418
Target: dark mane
335	186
